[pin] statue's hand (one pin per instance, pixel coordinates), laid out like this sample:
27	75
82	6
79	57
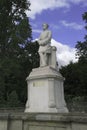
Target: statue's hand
40	43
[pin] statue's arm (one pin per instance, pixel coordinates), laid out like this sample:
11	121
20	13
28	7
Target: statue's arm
40	39
49	36
47	39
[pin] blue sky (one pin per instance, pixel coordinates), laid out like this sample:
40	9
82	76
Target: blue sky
65	19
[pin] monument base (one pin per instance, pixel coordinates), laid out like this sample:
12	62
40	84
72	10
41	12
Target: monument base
45	91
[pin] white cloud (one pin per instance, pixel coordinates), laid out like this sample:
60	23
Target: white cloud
72	25
37	6
65	54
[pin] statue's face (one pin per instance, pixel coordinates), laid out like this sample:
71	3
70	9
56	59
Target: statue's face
45	26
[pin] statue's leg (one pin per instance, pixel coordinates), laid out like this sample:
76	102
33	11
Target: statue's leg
40	59
43	59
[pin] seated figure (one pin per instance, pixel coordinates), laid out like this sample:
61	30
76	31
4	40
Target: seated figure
46	51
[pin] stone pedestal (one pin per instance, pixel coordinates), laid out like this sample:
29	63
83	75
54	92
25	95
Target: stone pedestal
45	91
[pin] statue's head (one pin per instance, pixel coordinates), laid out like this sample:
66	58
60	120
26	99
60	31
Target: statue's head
45	26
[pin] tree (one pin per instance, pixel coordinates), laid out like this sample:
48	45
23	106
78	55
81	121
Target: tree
13	100
76	73
75	79
14	26
82	46
16	50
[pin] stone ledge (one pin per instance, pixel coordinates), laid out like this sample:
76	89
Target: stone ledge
44	72
68	117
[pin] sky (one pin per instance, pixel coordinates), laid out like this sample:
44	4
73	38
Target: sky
65	21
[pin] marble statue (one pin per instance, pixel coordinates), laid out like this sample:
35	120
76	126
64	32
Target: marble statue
44	42
45	83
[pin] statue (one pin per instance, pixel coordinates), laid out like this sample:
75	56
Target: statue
44	42
46	51
46	83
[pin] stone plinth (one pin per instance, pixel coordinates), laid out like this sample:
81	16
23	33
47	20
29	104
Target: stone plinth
45	91
43	121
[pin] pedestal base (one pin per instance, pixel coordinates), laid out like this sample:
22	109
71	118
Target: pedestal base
45	91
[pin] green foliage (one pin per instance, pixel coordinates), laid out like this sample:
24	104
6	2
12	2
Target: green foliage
82	51
2	101
14	26
82	46
75	79
17	54
76	73
13	100
85	18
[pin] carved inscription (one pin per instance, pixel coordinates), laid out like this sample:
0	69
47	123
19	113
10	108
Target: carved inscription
38	83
